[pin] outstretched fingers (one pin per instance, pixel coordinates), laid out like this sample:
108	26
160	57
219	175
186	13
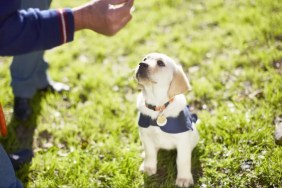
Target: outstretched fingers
118	2
123	11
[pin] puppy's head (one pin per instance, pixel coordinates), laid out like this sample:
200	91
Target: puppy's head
157	69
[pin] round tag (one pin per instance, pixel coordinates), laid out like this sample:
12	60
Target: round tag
161	120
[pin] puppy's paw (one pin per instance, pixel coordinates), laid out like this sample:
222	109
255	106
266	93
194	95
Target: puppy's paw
148	169
143	155
185	181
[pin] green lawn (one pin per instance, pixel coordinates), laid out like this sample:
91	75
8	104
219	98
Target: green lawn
232	52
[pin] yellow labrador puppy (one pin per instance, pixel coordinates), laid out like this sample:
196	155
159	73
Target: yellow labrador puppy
164	119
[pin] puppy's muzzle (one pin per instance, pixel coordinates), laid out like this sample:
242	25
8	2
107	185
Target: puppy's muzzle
142	71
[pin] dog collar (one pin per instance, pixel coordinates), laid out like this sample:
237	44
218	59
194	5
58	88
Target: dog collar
159	108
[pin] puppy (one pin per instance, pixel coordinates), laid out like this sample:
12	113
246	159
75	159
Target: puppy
164	119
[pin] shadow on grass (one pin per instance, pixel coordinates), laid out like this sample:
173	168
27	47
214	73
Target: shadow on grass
167	170
20	135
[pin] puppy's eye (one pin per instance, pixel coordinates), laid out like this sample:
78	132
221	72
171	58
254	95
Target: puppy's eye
145	59
160	63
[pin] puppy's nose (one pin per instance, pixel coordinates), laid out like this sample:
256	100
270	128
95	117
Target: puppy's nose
143	65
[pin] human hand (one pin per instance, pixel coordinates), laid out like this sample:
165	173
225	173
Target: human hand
106	17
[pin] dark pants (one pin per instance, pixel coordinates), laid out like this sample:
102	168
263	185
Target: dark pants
7	174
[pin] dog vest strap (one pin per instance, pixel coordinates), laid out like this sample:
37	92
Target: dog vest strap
179	124
159	108
3	128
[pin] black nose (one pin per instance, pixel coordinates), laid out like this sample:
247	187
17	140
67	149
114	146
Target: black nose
143	65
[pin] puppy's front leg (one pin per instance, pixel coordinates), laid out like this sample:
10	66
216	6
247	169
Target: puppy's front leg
184	175
150	161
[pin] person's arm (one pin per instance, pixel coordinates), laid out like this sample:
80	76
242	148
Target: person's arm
30	30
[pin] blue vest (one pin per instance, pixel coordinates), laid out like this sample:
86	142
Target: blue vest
181	123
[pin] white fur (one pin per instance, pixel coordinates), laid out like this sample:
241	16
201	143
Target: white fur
153	138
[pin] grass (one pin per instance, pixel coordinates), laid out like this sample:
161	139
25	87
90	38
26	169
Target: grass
230	50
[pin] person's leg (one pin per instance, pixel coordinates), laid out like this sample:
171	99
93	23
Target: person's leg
7	173
29	72
20	158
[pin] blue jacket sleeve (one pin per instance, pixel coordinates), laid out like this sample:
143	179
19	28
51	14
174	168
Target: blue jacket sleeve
23	31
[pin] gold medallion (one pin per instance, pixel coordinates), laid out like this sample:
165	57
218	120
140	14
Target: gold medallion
161	120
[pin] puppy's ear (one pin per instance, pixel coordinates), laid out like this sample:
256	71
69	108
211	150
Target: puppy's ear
179	83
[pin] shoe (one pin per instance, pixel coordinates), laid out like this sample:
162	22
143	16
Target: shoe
55	87
22	108
20	158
